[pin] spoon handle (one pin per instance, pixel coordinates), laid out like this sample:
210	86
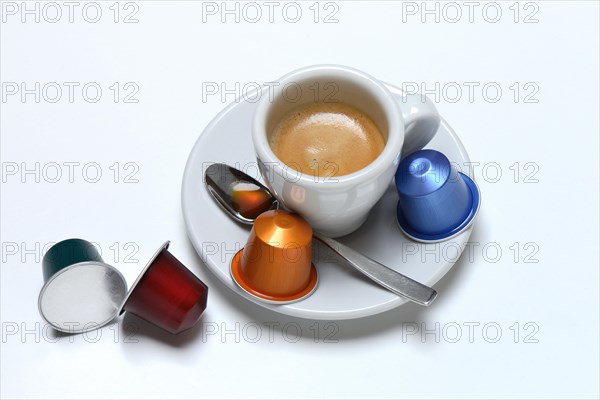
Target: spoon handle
386	277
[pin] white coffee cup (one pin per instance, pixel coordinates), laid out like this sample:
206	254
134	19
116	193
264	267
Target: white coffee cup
338	205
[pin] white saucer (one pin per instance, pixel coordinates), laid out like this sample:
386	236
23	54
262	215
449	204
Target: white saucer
342	292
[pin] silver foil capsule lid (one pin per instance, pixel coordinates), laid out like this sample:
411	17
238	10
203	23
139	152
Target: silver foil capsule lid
82	297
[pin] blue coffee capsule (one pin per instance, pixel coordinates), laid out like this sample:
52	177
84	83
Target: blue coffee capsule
436	202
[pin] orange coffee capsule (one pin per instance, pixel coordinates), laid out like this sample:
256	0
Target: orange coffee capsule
275	265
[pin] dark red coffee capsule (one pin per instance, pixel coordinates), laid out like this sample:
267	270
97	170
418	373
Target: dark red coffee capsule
167	294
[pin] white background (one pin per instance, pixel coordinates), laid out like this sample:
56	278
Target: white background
171	54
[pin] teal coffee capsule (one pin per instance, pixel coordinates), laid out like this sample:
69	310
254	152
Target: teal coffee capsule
81	292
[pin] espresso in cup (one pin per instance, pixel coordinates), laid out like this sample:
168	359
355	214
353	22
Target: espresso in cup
326	139
355	134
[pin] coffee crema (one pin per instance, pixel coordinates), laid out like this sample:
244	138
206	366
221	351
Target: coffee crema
326	139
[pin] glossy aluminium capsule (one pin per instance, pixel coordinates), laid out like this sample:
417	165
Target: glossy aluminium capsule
436	202
81	292
275	264
167	294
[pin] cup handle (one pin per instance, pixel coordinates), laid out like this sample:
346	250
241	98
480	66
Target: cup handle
421	120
